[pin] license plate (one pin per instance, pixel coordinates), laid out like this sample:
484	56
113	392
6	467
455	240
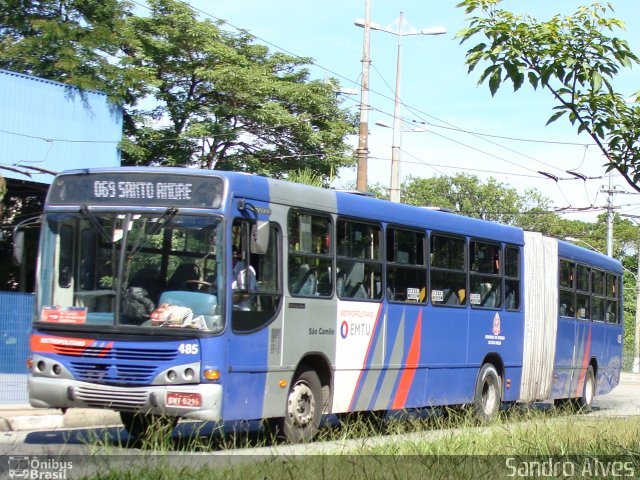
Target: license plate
179	399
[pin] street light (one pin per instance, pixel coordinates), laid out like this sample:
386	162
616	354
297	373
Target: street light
399	32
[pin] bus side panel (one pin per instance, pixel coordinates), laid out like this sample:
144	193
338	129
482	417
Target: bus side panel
599	350
566	350
446	336
499	333
402	384
245	381
358	359
611	364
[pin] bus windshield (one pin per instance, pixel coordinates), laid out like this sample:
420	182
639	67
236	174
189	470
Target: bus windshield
143	270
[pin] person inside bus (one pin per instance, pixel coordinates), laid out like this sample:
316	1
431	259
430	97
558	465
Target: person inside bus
244	281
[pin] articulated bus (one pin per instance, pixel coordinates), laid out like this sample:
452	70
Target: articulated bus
208	295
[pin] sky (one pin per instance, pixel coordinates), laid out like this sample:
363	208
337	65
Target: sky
440	98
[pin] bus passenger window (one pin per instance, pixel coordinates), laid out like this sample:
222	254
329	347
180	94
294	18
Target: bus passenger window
406	266
567	294
512	278
598	295
310	255
448	271
583	304
612	298
359	264
485	275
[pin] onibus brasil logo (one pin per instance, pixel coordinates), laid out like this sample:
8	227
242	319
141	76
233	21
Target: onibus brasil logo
38	468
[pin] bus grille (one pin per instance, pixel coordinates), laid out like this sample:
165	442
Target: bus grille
114	365
112	398
118	353
113	374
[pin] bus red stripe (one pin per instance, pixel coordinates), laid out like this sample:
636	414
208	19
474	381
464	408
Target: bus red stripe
585	364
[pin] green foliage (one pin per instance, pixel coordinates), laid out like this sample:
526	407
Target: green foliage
574	58
70	41
493	200
193	94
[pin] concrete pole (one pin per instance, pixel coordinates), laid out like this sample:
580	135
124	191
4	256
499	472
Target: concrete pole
363	135
395	149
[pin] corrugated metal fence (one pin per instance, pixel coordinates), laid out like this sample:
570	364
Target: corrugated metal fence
16	313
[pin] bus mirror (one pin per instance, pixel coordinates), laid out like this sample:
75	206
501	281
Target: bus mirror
18	247
260	237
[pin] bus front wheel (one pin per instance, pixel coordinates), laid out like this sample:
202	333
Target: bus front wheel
488	393
304	408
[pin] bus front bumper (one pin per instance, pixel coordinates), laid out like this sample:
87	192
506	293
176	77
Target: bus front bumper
197	402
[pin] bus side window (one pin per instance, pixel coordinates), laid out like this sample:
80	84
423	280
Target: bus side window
567	294
261	299
310	256
406	266
359	264
448	270
512	278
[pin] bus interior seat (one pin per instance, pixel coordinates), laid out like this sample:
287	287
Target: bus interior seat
308	285
303	281
323	285
489	295
149	279
450	297
184	273
510	299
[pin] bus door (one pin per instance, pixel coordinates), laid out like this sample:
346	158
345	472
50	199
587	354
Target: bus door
309	313
254	294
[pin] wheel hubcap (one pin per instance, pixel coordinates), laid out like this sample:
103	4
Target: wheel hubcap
301	405
489	397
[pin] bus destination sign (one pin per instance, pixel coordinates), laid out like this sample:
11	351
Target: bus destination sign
129	188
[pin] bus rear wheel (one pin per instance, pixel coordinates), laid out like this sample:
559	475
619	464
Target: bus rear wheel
488	393
142	425
304	408
584	403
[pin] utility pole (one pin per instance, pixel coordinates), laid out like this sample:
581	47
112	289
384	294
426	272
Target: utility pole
363	134
610	208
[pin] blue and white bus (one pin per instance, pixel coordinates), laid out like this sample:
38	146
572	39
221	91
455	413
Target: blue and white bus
210	295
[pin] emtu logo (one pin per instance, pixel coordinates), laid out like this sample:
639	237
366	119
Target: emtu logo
344	329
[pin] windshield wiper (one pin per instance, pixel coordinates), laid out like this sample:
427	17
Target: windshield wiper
95	223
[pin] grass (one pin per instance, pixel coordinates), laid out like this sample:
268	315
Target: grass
449	444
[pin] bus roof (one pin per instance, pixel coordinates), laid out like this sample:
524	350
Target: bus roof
340	202
574	252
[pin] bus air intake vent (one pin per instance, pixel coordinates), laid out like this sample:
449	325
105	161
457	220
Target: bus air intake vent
118	353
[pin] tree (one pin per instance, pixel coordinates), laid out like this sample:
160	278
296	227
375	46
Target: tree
574	59
493	200
224	102
70	41
193	94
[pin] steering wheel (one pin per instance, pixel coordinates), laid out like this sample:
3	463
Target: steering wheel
201	285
